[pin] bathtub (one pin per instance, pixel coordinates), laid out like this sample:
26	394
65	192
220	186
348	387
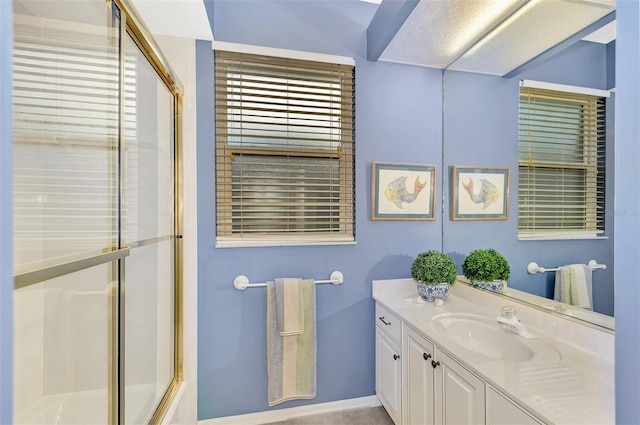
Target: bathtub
87	407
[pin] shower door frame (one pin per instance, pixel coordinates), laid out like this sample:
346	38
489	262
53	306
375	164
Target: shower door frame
132	25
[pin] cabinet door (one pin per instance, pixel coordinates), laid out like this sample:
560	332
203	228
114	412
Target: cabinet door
419	380
501	411
388	375
459	394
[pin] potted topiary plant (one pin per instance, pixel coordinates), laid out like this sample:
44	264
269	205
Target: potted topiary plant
434	271
487	269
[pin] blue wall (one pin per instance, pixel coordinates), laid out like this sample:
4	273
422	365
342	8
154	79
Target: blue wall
627	206
399	113
481	129
6	215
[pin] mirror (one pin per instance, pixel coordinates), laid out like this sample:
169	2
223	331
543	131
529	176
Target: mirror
480	129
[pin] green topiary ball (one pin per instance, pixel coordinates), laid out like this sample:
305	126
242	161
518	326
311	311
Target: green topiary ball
486	265
433	267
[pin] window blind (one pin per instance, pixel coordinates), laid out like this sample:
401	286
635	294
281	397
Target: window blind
561	184
284	147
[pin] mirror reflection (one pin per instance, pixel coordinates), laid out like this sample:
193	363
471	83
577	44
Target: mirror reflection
561	161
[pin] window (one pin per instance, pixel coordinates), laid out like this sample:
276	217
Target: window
284	151
561	149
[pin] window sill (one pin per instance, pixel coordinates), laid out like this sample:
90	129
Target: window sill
268	242
550	236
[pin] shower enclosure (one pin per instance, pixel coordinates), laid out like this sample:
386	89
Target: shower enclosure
97	242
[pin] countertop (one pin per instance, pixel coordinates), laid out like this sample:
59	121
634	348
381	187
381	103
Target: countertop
571	382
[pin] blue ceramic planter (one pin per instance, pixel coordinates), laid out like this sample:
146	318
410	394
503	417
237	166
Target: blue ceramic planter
433	292
495	286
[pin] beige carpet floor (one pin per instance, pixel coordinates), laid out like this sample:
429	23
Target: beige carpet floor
363	416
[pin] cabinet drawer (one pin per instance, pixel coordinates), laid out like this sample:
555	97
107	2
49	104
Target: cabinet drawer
389	323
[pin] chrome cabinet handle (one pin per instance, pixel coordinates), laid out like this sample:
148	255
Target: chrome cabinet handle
396	357
435	363
383	321
426	356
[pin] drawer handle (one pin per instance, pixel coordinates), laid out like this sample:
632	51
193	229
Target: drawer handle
426	356
383	321
435	363
396	357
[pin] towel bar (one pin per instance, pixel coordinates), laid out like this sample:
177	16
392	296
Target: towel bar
534	268
241	282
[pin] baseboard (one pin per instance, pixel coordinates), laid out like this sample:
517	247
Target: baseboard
294	412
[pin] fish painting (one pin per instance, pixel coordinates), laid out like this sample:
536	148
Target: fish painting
488	193
396	191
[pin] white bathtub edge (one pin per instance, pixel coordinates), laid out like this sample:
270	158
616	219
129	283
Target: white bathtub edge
173	414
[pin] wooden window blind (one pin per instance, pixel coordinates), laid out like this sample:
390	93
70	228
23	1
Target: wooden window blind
561	183
284	149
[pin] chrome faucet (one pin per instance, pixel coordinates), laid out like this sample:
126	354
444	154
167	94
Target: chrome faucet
509	321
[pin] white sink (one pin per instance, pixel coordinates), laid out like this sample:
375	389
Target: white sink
483	335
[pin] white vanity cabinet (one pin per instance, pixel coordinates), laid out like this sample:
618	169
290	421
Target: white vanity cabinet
389	362
438	390
419	384
432	370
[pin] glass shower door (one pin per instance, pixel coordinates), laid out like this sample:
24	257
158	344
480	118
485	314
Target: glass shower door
65	143
148	218
95	204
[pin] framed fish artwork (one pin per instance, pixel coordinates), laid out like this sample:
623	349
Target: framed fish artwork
479	193
402	192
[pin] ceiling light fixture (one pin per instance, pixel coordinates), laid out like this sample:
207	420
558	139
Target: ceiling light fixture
486	22
533	33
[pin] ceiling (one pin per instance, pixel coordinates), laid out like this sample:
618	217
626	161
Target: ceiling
493	36
485	36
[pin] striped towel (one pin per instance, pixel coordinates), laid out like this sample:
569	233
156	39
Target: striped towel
291	358
289	309
573	285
